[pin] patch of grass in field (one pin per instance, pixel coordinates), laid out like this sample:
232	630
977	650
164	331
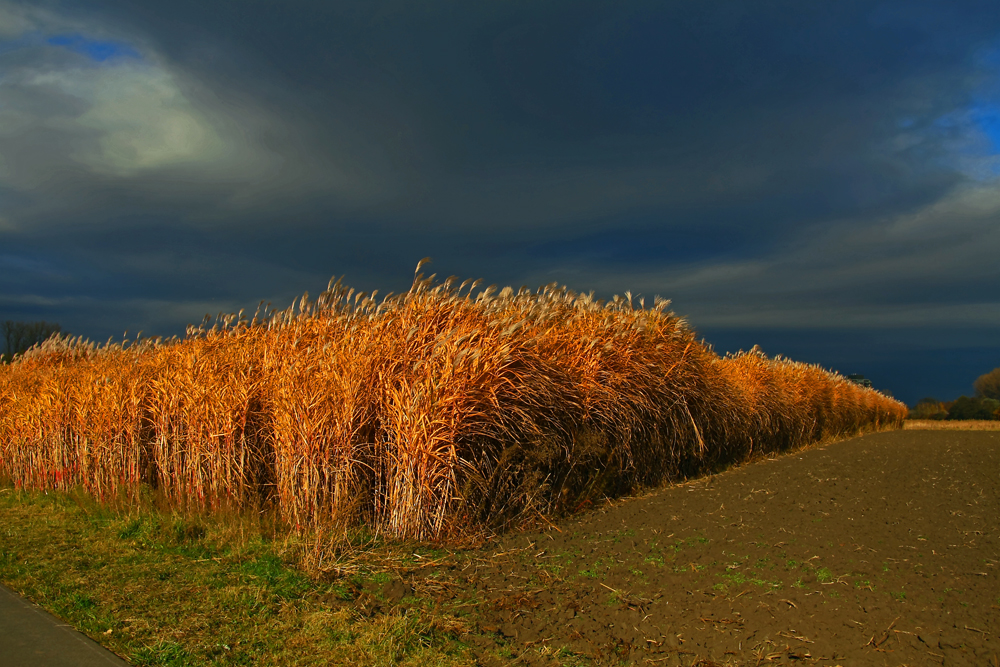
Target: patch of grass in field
163	589
738	579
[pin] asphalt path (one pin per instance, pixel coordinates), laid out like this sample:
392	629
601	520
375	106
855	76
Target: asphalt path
31	637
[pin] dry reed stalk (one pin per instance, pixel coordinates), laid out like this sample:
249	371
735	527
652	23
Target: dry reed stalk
448	365
322	384
105	435
209	440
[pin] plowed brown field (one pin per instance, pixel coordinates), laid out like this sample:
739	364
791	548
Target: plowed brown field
880	550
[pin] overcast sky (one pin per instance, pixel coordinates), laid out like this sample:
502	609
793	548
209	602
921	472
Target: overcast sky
819	178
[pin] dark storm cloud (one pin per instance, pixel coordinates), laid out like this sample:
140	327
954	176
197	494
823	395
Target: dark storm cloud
519	110
788	166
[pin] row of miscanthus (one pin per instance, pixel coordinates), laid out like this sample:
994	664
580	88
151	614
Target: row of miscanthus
445	409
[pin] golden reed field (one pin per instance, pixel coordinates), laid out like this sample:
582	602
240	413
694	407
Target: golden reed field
442	411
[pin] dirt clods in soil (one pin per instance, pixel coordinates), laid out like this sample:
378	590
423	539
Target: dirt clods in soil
881	550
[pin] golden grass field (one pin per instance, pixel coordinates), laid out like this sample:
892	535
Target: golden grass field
953	425
445	410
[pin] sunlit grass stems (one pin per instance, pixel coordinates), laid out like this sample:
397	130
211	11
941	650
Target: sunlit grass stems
447	409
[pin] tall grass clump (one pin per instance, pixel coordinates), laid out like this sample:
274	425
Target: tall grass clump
443	410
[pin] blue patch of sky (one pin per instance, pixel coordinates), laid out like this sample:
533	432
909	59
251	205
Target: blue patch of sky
97	50
984	110
986	118
94	49
972	130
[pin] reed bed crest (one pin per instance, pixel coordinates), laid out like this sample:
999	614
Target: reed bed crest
446	409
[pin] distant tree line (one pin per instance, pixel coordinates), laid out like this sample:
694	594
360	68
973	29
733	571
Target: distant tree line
18	337
984	405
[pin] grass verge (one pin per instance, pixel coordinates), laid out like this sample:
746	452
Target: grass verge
159	588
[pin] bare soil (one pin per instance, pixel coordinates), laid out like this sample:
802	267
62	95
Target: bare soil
880	550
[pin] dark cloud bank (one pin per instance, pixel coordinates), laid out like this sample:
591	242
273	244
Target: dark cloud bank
818	178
